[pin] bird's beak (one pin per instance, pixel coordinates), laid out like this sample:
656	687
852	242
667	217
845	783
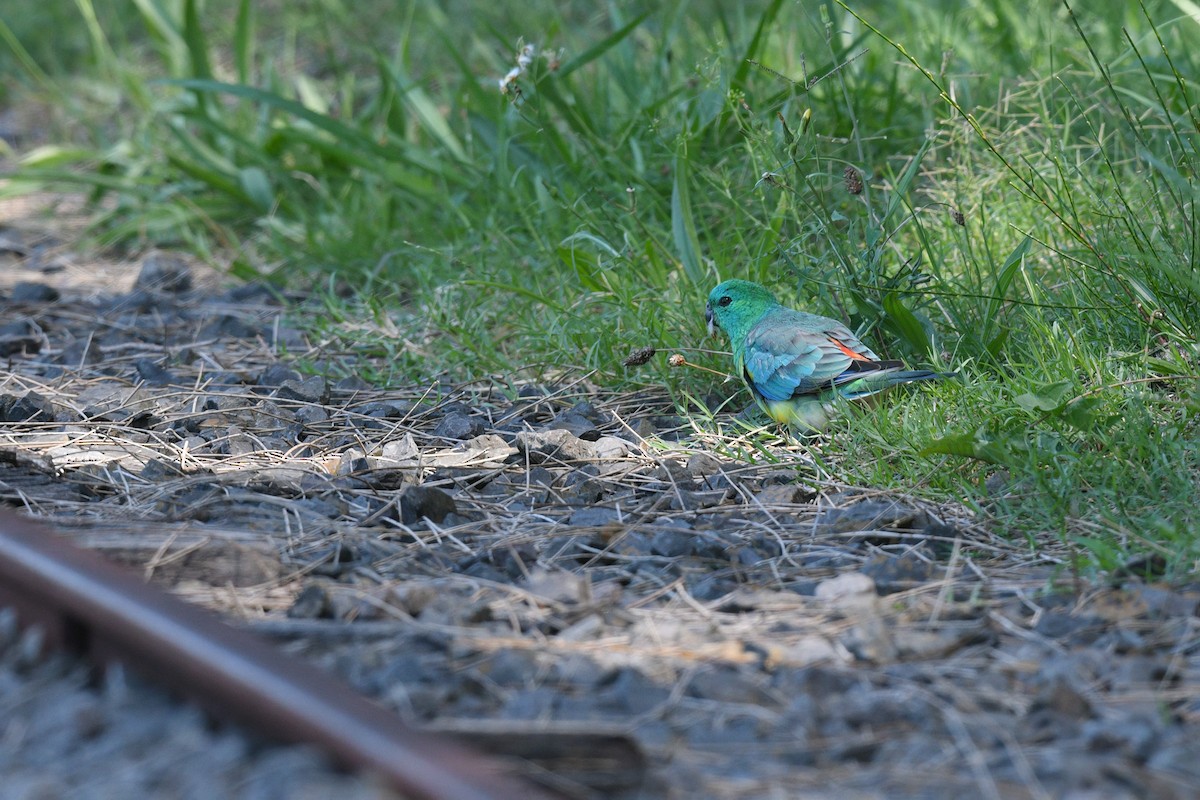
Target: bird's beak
708	318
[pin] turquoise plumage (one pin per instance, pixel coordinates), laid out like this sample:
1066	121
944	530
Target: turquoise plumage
798	366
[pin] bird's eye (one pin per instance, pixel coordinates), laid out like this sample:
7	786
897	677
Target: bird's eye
724	301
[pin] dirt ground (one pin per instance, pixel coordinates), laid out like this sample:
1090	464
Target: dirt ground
572	576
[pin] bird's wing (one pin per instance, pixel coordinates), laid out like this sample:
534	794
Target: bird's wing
790	353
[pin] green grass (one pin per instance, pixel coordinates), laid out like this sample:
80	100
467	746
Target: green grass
648	151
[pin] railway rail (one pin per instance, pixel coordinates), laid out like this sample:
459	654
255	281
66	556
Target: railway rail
91	607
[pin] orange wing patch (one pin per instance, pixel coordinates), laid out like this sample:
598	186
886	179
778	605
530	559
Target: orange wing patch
853	354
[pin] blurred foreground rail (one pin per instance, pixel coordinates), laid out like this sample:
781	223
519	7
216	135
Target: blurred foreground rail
97	610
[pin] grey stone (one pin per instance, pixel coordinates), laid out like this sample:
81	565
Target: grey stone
594	516
30	407
311	603
151	372
577	424
161	272
898	573
30	292
459	426
309	390
419	502
552	446
276	375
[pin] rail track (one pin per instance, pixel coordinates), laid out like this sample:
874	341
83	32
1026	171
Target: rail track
87	606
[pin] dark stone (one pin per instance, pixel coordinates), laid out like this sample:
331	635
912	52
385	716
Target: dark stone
331	507
459	426
745	556
81	353
30	407
336	559
581	491
588	410
384	410
634	543
227	326
594	516
1133	736
689	500
728	731
897	573
712	587
419	502
577	424
870	515
311	603
311	415
256	291
283	337
512	668
150	372
672	543
700	465
308	390
530	704
31	292
1060	625
276	375
514	562
538	447
726	684
885	708
1062	698
157	469
776	494
239	443
628	691
164	273
137	302
351	385
536	476
19	337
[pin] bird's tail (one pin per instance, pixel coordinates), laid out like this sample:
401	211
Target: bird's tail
881	381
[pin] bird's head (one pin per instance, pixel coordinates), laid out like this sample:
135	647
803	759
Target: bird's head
735	305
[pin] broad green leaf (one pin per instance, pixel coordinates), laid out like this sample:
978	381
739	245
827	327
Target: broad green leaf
1108	556
257	186
1007	274
968	445
1048	398
906	324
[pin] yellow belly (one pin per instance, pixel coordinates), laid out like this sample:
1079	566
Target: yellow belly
799	415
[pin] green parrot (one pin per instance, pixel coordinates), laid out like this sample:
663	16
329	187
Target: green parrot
798	365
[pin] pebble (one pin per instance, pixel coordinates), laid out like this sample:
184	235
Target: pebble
308	390
459	426
30	407
558	446
162	272
421	502
30	292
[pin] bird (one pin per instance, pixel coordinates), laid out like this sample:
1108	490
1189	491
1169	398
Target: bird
799	366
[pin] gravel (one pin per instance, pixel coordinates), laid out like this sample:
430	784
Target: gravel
69	735
559	564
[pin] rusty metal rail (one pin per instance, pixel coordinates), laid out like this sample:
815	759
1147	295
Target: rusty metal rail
94	608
